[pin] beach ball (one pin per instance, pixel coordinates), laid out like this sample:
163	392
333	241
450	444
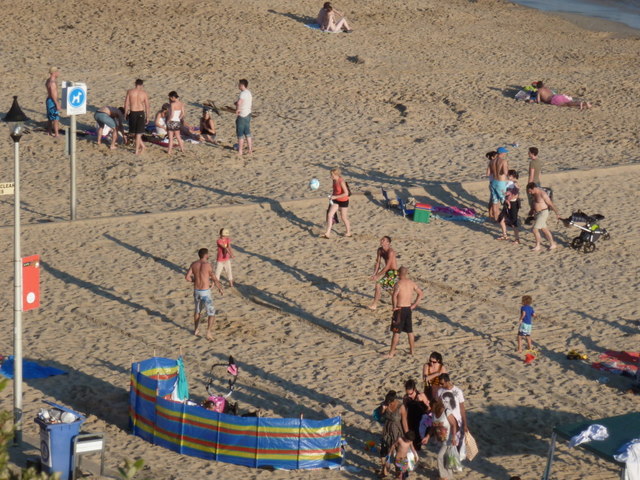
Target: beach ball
314	184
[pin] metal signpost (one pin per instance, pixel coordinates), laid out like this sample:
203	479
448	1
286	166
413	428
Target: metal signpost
74	101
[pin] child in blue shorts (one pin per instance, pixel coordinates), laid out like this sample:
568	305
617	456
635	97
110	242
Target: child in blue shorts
526	322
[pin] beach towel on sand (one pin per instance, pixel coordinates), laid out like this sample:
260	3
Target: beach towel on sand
315	26
29	369
620	363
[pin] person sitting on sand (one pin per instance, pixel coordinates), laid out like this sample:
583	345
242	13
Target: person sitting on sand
322	14
546	95
160	122
207	127
331	25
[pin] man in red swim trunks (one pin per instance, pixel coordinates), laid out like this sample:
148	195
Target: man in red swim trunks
403	306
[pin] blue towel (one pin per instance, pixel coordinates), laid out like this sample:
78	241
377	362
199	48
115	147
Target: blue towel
29	369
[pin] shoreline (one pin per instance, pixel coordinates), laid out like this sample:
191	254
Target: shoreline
592	23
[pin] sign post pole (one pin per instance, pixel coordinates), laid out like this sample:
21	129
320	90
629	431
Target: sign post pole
74	100
17	306
72	151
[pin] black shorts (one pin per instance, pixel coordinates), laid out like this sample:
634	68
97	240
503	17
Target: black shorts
401	320
510	211
344	204
136	122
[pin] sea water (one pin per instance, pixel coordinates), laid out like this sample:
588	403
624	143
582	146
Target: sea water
623	11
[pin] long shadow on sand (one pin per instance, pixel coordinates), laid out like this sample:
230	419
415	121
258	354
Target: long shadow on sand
300	275
101	291
162	261
85	393
257	398
283	304
508	92
275	206
298	18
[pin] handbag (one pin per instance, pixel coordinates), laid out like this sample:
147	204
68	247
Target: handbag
471	445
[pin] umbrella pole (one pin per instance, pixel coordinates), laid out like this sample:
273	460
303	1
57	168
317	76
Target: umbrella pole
552	447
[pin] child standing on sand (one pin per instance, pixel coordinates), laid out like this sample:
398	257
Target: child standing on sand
401	448
526	322
225	254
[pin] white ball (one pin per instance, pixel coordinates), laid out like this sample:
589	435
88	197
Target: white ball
314	184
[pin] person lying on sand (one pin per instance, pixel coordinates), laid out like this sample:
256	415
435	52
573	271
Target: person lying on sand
545	95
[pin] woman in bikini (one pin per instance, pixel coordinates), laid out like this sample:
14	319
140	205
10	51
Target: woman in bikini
207	127
175	117
431	373
339	202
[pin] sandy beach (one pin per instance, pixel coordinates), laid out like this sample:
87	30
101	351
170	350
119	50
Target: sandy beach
410	101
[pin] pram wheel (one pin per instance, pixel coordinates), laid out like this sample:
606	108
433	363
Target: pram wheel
588	247
606	236
576	243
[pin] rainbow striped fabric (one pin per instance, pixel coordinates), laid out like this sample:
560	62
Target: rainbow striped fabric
283	443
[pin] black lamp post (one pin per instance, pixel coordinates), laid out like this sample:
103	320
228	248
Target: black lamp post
15	117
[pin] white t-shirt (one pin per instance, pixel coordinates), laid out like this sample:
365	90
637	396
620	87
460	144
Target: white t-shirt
245	106
459	397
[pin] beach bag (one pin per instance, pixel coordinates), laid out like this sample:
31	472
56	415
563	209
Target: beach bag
219	403
377	415
471	445
452	459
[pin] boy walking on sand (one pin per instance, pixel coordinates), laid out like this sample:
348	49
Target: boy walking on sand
401	448
225	254
526	322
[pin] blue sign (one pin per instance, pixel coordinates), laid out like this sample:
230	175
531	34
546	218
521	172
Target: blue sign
77	97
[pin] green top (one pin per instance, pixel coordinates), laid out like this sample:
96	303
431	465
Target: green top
537	166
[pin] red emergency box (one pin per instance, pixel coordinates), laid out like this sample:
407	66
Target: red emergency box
30	282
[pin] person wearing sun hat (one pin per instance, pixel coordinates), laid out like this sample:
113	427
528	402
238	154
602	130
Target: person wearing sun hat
225	254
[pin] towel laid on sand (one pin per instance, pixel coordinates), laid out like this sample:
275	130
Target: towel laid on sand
620	363
315	26
29	369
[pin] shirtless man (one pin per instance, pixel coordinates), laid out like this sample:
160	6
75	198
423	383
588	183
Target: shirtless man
404	304
113	118
545	95
137	110
385	276
498	171
541	205
52	104
201	273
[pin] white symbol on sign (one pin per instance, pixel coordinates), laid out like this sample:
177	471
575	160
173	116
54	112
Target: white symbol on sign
31	297
76	97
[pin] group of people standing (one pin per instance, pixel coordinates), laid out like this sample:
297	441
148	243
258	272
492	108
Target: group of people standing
411	421
504	200
169	120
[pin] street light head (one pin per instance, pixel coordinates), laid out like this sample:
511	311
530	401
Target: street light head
15	113
16	129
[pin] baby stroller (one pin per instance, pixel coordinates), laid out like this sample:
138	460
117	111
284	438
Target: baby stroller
218	371
591	231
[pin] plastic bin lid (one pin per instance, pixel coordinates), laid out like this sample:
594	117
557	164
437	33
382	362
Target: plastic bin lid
81	418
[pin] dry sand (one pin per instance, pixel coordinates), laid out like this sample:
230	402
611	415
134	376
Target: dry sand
432	96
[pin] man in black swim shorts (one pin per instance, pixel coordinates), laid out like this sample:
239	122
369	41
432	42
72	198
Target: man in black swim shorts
136	106
403	305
